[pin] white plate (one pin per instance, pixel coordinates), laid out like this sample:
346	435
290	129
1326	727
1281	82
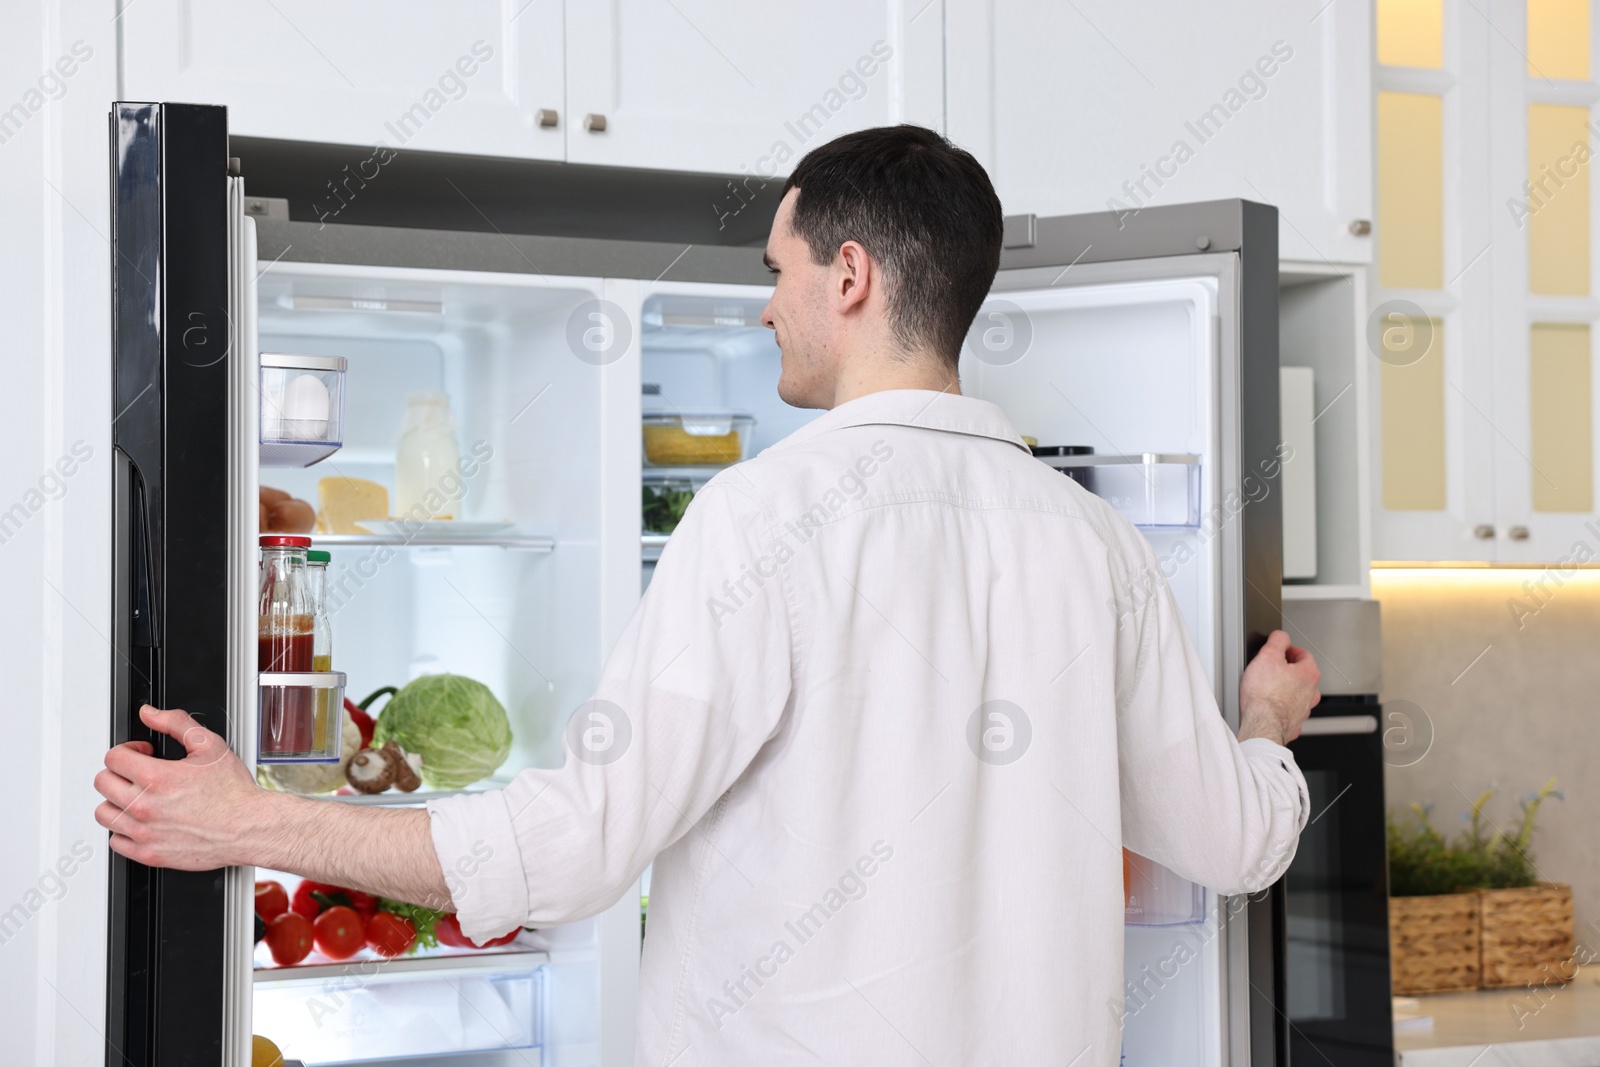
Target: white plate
432	529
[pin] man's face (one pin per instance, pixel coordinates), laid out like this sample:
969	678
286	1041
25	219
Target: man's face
798	314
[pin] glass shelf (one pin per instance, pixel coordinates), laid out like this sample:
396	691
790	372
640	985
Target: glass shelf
651	545
437	963
1147	488
510	541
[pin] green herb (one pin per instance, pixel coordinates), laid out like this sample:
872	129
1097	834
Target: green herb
424	919
1422	862
663	508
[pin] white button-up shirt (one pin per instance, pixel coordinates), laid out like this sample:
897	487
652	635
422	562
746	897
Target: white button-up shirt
896	698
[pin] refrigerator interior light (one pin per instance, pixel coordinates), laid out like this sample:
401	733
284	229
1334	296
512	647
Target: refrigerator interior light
302	302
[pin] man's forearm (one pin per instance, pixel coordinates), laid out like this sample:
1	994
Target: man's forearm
385	851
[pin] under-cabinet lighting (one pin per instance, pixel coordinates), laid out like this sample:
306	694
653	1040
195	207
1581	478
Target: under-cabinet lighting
364	303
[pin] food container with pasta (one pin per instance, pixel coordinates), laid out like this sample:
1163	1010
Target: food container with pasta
696	439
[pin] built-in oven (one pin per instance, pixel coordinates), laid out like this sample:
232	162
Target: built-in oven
1337	895
1336	950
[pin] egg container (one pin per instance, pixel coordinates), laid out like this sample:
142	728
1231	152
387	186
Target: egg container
302	409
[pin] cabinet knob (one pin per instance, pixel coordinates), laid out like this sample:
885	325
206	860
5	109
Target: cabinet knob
594	123
546	117
1518	533
1361	227
1483	532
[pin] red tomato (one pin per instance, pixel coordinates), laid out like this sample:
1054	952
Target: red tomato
449	933
339	933
289	938
389	934
448	930
271	900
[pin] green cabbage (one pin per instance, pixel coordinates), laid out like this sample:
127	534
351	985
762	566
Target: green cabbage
454	723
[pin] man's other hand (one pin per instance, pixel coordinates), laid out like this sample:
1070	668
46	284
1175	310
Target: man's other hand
1278	691
190	813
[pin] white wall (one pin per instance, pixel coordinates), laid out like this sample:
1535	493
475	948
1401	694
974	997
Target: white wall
54	567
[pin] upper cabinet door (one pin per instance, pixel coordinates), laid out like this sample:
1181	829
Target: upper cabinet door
1542	101
1097	105
469	76
744	88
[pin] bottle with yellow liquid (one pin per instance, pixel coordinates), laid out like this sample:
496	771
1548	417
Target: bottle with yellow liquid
327	715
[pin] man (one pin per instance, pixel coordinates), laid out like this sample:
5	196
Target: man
895	700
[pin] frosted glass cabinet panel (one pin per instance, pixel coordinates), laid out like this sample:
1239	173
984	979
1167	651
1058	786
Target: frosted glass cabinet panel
1410	33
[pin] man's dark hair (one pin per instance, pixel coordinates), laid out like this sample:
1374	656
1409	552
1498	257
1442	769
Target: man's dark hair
922	208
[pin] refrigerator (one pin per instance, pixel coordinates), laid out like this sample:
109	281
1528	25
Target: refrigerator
1144	344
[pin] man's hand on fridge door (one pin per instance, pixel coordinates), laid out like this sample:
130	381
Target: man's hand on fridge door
205	811
189	813
1278	691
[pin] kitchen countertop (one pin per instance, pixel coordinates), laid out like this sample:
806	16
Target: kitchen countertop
1559	1027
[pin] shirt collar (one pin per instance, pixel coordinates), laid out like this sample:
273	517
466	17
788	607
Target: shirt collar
926	409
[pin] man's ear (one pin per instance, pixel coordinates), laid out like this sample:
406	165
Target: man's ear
854	275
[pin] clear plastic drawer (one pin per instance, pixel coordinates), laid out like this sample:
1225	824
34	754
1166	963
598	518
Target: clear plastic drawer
405	1008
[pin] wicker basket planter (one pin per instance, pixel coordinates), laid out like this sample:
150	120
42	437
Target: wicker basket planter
1434	943
1526	935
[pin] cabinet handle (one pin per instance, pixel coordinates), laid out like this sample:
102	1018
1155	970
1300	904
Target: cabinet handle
1483	532
546	117
1361	227
1518	533
594	123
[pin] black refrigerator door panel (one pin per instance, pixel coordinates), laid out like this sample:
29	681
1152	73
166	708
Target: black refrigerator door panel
170	316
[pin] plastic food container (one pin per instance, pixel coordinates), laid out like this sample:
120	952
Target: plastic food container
664	500
300	717
302	409
696	440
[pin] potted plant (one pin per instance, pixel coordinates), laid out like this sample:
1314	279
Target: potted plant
1472	912
1525	925
1433	910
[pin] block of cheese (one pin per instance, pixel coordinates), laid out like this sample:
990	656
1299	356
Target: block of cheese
342	501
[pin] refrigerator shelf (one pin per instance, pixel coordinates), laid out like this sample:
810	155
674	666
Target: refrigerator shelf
393	798
510	541
1146	488
453	964
650	546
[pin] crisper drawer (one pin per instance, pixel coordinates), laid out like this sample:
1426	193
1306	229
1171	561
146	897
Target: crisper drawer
398	1009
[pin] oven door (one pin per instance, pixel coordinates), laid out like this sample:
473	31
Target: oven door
1337	954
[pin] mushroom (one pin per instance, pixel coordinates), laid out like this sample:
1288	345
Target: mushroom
406	778
370	772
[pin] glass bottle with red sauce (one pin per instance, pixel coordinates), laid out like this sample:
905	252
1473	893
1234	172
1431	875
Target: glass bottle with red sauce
286	646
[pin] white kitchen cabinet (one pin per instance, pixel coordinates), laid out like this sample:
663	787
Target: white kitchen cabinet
469	76
744	88
1096	104
1485	445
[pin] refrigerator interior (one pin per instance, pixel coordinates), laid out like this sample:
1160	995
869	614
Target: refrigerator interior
526	623
1127	368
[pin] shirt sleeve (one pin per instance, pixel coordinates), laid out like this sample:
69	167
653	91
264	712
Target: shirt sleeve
698	682
1216	811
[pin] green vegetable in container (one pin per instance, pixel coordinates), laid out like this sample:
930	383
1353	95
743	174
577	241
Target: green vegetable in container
663	508
454	723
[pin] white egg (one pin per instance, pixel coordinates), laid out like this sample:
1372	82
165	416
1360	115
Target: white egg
305	407
306	398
